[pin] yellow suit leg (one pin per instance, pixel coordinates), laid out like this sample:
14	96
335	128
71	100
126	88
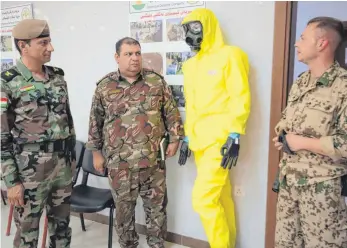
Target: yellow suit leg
212	198
228	204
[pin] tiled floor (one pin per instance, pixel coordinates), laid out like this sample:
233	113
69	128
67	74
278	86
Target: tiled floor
95	237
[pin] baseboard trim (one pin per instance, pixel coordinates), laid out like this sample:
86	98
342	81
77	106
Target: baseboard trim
141	229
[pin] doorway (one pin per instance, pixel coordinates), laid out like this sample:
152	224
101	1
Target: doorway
290	20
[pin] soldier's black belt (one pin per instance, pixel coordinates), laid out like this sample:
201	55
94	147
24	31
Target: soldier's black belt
47	146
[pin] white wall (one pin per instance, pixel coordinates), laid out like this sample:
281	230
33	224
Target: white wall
84	34
309	10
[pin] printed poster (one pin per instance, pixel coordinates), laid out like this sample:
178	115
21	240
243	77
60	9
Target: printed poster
9	18
157	26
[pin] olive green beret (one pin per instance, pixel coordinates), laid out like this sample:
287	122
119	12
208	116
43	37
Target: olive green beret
30	29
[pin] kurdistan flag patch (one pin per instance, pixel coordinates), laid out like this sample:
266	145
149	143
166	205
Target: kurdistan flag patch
4	102
27	88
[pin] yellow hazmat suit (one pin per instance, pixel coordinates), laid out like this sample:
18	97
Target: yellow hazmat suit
218	102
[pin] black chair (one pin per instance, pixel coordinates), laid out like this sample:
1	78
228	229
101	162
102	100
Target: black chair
88	199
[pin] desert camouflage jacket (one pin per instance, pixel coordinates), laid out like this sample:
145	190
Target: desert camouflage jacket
317	109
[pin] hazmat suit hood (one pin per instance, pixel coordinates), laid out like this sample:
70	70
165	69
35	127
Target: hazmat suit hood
212	34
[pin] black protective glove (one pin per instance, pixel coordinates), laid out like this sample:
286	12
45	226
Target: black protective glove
185	152
286	149
230	153
282	139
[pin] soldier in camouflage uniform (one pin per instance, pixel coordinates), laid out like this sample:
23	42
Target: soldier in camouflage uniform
37	138
311	212
131	111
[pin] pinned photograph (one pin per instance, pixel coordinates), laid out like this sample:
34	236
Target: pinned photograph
174	29
6	43
174	62
147	31
177	91
153	61
6	64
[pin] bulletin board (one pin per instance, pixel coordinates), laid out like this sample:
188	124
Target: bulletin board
157	26
10	16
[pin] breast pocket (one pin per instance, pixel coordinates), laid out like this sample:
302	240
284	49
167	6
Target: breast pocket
32	104
214	78
58	99
320	116
291	107
210	83
153	102
117	102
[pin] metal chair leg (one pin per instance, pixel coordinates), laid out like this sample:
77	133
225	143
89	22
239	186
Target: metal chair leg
110	228
45	231
9	221
3	197
82	222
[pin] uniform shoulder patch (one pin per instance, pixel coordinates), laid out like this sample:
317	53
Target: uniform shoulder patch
56	70
106	77
10	74
148	72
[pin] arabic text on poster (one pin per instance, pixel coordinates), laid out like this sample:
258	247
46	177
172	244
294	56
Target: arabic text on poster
157	26
9	18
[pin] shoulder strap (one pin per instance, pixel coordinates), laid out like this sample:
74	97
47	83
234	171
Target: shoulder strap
148	71
56	70
106	76
9	74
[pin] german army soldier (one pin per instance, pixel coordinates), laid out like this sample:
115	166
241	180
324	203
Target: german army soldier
311	211
132	110
37	138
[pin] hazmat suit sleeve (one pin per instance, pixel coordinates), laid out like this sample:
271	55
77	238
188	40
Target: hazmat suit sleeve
188	103
238	88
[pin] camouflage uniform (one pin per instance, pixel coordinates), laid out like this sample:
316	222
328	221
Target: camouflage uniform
310	208
36	127
127	122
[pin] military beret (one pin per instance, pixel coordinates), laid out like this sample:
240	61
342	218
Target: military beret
30	29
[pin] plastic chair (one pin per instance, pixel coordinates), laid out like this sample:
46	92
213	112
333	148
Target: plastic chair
88	199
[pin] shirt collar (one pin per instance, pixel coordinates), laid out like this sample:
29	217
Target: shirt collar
329	75
119	77
27	74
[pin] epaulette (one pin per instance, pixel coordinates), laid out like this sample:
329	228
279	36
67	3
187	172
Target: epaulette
9	74
104	77
56	70
148	71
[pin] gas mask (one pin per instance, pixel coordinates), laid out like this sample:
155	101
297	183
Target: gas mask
193	32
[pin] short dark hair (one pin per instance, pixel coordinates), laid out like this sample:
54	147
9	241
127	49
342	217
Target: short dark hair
330	23
16	44
126	40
